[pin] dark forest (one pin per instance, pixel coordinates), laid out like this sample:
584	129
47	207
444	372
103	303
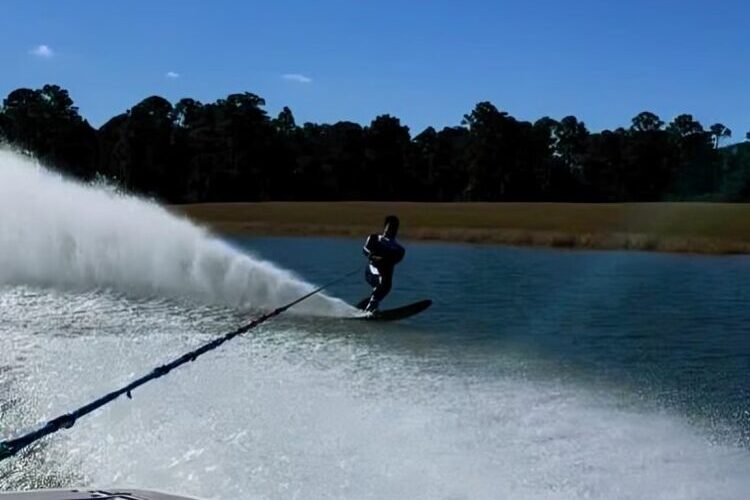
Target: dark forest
232	150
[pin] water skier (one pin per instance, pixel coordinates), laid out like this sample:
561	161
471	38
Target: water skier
383	253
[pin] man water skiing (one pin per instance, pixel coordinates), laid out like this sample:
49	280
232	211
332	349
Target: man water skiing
383	253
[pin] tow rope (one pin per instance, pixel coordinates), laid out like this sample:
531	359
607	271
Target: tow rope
10	447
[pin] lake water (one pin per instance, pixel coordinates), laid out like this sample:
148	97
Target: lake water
672	330
536	374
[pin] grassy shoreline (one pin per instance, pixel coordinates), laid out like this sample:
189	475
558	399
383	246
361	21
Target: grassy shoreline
705	228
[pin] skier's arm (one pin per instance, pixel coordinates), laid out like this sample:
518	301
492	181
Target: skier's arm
370	247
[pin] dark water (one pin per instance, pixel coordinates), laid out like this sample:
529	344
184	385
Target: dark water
668	330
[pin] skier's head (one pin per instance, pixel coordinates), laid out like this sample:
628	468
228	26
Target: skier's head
391	226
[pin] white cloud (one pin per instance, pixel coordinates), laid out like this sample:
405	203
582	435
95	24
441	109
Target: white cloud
43	51
296	77
172	74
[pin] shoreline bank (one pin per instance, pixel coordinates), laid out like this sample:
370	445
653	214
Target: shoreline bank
702	228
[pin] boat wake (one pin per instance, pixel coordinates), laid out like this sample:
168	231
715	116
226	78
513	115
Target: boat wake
306	415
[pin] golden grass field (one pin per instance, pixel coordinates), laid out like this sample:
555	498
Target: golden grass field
711	228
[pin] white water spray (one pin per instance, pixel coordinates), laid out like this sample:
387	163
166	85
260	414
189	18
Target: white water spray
58	233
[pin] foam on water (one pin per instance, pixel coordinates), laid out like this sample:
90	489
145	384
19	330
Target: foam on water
59	233
330	416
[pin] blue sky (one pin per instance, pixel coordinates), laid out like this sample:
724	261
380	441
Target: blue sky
427	62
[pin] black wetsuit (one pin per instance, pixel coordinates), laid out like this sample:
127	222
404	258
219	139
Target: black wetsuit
383	254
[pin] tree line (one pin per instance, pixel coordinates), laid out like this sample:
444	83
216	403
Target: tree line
232	150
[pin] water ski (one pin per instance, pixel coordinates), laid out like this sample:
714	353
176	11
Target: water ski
394	314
